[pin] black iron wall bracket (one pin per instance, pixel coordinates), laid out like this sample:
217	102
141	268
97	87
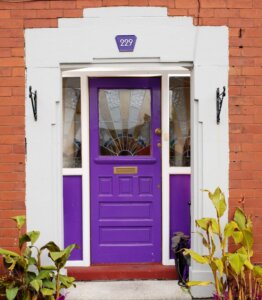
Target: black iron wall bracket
33	97
220	98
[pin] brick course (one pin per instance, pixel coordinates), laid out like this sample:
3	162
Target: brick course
244	19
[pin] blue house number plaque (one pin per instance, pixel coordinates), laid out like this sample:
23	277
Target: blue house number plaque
126	43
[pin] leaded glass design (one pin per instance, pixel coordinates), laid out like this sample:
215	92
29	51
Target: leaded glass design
124	122
71	123
179	122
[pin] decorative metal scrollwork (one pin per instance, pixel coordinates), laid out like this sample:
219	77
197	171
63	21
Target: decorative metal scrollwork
220	98
33	97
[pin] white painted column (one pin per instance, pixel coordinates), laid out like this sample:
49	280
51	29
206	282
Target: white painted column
44	155
210	158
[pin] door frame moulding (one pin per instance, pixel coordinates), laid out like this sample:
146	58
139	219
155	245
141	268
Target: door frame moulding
163	70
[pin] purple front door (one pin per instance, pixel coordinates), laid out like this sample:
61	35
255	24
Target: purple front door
125	167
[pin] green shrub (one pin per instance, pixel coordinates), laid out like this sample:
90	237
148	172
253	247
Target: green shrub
235	276
25	277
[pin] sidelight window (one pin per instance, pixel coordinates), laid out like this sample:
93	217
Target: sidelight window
72	123
179	122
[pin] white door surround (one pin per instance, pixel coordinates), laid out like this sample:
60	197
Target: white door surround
132	70
162	43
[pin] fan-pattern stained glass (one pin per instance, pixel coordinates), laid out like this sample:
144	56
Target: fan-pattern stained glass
124	122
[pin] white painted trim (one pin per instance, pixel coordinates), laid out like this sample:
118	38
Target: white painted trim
104	66
75	263
165	167
180	170
86	168
185	74
112	12
134	69
72	171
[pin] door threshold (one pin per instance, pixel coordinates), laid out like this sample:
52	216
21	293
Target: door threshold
123	272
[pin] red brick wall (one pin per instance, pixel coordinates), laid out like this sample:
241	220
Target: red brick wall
244	19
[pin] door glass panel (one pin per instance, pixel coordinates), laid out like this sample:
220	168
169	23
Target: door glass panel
179	121
71	123
124	122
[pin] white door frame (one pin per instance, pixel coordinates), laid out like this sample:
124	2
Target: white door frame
126	70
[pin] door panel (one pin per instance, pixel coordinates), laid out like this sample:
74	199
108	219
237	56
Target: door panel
125	170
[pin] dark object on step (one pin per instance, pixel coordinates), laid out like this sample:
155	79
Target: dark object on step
182	262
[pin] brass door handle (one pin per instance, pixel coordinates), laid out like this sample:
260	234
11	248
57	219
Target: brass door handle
158	131
158	145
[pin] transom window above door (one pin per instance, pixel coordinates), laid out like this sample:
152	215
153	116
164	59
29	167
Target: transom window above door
124	122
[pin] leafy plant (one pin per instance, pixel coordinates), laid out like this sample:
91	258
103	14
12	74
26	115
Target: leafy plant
235	277
26	278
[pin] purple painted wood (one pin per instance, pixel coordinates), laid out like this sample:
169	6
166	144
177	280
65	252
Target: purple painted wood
125	209
72	190
179	205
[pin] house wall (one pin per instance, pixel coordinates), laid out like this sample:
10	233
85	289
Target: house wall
244	19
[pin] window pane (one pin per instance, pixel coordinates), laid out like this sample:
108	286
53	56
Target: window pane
124	122
72	123
179	121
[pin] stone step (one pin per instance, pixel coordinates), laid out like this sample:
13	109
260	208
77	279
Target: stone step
128	290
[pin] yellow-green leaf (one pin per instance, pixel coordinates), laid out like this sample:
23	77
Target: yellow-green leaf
43	274
57	255
206	223
242	250
197	257
33	235
240	218
215	227
36	284
66	281
47	292
11	293
204	240
229	228
236	261
202	223
237	236
51	246
23	239
213	249
218	199
249	265
8	253
199	283
249	224
219	265
20	221
49	284
257	271
248	239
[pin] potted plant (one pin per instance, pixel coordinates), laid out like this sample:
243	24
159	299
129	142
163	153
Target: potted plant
235	276
25	277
